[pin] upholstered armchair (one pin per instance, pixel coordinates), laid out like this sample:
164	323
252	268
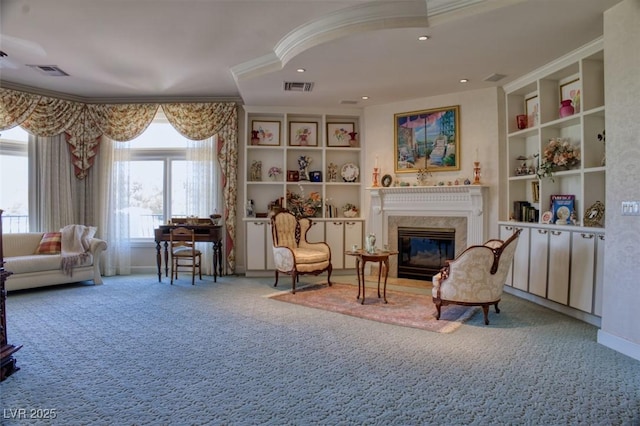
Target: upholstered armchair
292	253
476	277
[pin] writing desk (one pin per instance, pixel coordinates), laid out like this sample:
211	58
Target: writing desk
203	233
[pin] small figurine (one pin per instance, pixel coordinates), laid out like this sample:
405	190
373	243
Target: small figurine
332	172
256	171
574	218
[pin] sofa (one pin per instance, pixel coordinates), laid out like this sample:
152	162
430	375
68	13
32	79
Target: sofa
35	260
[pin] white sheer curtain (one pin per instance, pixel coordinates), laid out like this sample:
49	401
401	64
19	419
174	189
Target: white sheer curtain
53	192
114	202
203	193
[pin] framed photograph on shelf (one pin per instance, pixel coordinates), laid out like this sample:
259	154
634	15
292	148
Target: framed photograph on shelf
427	139
267	132
338	134
303	134
532	111
535	191
571	90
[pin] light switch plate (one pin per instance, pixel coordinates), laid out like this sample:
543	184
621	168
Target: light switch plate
631	208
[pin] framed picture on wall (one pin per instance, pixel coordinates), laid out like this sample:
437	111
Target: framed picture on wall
338	134
427	139
571	90
267	132
303	134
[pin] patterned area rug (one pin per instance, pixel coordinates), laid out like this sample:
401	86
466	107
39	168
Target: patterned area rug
404	309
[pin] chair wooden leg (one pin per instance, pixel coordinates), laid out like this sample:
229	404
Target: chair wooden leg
295	277
438	304
485	311
276	283
496	306
329	274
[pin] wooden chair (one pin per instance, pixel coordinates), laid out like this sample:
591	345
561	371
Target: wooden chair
184	253
292	253
476	277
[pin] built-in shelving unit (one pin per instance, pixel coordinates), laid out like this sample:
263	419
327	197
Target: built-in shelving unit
558	265
283	152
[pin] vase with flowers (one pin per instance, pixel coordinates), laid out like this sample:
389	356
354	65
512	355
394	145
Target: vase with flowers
302	206
559	154
274	172
350	210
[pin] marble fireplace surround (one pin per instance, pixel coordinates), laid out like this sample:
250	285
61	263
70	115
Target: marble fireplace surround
458	207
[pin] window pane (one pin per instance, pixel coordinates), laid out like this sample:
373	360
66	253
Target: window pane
179	188
14	180
145	197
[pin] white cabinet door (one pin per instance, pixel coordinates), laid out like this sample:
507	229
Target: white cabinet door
352	235
559	260
335	238
599	280
505	232
256	245
583	253
521	261
539	254
315	234
269	247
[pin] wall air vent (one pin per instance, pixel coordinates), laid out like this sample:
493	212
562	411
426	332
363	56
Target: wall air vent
50	70
290	86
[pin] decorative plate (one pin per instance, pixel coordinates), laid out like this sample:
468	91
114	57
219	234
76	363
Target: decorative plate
386	180
350	172
594	214
546	217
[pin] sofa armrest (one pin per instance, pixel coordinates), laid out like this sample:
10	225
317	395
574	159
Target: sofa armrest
97	246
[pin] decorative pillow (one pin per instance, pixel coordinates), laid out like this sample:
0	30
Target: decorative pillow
50	243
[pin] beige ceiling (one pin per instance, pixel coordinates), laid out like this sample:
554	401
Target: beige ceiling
134	50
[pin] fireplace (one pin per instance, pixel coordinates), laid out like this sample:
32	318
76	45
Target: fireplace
423	251
460	207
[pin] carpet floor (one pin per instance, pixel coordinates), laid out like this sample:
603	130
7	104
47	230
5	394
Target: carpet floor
404	309
137	352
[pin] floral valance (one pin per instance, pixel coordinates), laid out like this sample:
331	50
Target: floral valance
85	123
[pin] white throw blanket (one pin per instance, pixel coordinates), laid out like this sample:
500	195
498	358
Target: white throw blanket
75	244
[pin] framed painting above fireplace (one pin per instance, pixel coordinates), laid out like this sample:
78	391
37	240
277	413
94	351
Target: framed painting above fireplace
427	139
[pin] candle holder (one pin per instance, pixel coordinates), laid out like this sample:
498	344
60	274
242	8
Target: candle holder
376	174
476	173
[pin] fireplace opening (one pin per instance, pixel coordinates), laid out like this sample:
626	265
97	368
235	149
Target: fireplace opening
423	251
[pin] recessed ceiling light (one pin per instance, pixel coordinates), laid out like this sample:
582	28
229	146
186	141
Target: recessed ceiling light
423	37
464	80
365	97
301	70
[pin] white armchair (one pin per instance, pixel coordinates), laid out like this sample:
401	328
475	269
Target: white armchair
476	277
293	254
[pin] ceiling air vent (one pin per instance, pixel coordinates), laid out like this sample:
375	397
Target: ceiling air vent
50	70
348	102
495	77
291	86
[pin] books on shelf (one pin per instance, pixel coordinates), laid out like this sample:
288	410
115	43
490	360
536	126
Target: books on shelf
563	208
523	211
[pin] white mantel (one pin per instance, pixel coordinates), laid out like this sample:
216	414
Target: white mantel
464	201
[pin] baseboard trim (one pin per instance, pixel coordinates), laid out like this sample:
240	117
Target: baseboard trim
619	344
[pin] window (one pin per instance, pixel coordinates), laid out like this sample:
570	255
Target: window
14	179
160	176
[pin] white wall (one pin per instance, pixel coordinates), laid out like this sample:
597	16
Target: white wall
621	298
481	126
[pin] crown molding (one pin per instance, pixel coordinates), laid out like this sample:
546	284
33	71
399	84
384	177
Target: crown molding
117	100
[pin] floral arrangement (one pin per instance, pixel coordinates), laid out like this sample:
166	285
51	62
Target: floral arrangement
558	153
274	172
302	206
350	210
